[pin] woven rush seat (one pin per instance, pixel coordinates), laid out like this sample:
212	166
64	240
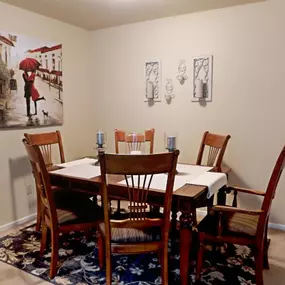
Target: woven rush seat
236	223
75	207
243	223
132	235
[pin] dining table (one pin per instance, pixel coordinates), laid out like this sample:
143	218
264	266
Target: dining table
185	199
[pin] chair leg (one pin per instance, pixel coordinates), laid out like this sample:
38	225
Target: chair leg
265	248
194	217
200	261
39	213
259	268
101	252
44	238
164	266
108	271
259	265
118	207
54	254
265	256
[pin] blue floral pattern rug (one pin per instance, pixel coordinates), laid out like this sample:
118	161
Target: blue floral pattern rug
231	264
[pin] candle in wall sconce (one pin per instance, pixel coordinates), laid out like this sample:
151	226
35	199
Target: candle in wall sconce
200	87
150	90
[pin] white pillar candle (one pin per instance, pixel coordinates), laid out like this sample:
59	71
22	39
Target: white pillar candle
199	92
150	90
100	138
171	143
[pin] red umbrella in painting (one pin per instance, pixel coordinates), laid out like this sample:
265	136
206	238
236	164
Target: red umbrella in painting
29	64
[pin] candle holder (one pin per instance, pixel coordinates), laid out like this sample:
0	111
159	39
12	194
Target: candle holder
100	144
171	143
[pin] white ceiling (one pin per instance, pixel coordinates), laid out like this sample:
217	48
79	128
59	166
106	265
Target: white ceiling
96	14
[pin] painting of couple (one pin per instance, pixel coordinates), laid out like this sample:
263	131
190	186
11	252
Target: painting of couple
31	81
31	92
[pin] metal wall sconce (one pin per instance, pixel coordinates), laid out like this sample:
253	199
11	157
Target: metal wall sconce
182	68
169	90
202	78
153	81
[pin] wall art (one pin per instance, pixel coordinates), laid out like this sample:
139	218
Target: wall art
202	78
153	81
31	84
169	89
182	69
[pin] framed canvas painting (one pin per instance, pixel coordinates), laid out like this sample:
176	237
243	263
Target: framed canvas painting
31	82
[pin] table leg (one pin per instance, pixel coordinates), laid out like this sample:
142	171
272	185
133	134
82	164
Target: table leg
222	196
185	246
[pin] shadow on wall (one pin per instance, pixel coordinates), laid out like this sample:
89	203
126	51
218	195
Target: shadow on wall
21	179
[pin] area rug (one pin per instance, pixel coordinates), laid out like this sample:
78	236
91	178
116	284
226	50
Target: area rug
231	264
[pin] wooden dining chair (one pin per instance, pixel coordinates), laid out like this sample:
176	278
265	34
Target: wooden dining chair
216	145
46	142
63	211
140	232
212	148
134	142
239	226
121	136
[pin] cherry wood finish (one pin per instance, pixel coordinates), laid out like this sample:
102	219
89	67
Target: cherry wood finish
49	210
216	145
45	142
134	142
258	240
120	137
184	199
138	171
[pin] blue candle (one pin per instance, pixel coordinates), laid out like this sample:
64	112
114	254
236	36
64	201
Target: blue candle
100	138
171	143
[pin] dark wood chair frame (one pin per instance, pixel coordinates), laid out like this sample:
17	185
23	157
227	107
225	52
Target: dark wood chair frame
218	145
140	166
45	142
259	241
121	137
49	213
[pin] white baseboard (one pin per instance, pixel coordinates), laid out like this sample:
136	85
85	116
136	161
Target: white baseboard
17	223
280	227
276	226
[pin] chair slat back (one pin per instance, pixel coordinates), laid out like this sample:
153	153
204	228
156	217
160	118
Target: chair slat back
122	137
138	171
134	142
216	145
42	179
45	141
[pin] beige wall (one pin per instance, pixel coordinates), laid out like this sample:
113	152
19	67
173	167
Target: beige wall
104	88
248	87
15	178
